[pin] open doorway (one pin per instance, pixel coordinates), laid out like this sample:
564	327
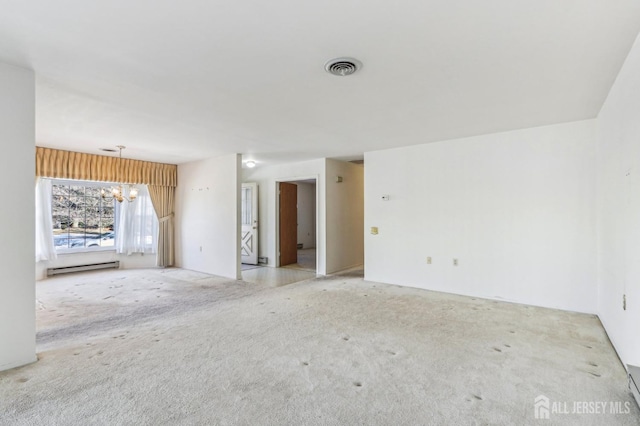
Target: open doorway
297	223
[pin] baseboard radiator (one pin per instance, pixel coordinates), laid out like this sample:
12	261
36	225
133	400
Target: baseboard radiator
634	382
80	268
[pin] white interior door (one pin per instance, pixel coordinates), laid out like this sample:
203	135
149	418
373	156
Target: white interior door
249	246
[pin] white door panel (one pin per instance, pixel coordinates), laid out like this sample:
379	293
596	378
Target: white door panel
249	244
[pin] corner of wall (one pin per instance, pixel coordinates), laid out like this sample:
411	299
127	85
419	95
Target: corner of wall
238	216
344	215
17	292
207	216
618	210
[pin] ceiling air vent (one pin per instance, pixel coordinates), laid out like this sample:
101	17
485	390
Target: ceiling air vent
343	67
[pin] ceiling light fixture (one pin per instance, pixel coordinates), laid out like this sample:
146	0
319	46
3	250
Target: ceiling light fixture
342	67
250	164
117	191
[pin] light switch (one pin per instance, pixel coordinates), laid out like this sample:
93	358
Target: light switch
374	230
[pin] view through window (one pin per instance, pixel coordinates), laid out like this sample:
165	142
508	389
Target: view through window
81	217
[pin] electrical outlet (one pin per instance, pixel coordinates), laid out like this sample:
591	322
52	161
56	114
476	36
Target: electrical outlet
428	260
624	302
201	248
374	230
455	262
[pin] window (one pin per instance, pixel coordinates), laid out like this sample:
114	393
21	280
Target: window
246	205
81	217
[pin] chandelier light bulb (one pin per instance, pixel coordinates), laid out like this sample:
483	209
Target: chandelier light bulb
117	191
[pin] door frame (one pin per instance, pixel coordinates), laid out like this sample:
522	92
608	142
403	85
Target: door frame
277	212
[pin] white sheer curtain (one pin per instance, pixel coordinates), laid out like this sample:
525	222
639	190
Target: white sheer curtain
45	248
137	229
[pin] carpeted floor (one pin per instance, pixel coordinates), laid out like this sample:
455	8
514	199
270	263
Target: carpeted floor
172	346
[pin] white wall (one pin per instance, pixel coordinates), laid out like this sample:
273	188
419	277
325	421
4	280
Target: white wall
133	261
267	178
517	209
17	252
306	214
618	144
345	215
208	216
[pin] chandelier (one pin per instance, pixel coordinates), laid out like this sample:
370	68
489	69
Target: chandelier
118	192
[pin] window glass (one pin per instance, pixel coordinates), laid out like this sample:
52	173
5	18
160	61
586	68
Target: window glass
81	217
246	206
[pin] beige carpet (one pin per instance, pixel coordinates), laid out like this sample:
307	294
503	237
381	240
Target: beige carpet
177	347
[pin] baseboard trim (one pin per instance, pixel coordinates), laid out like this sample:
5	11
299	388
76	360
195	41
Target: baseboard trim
615	349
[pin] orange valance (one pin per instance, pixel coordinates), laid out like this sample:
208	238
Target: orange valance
54	163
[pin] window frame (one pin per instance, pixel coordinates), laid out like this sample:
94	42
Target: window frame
116	214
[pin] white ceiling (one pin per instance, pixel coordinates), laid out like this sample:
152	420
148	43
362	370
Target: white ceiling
179	81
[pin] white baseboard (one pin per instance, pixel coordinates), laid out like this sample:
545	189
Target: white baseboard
634	382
